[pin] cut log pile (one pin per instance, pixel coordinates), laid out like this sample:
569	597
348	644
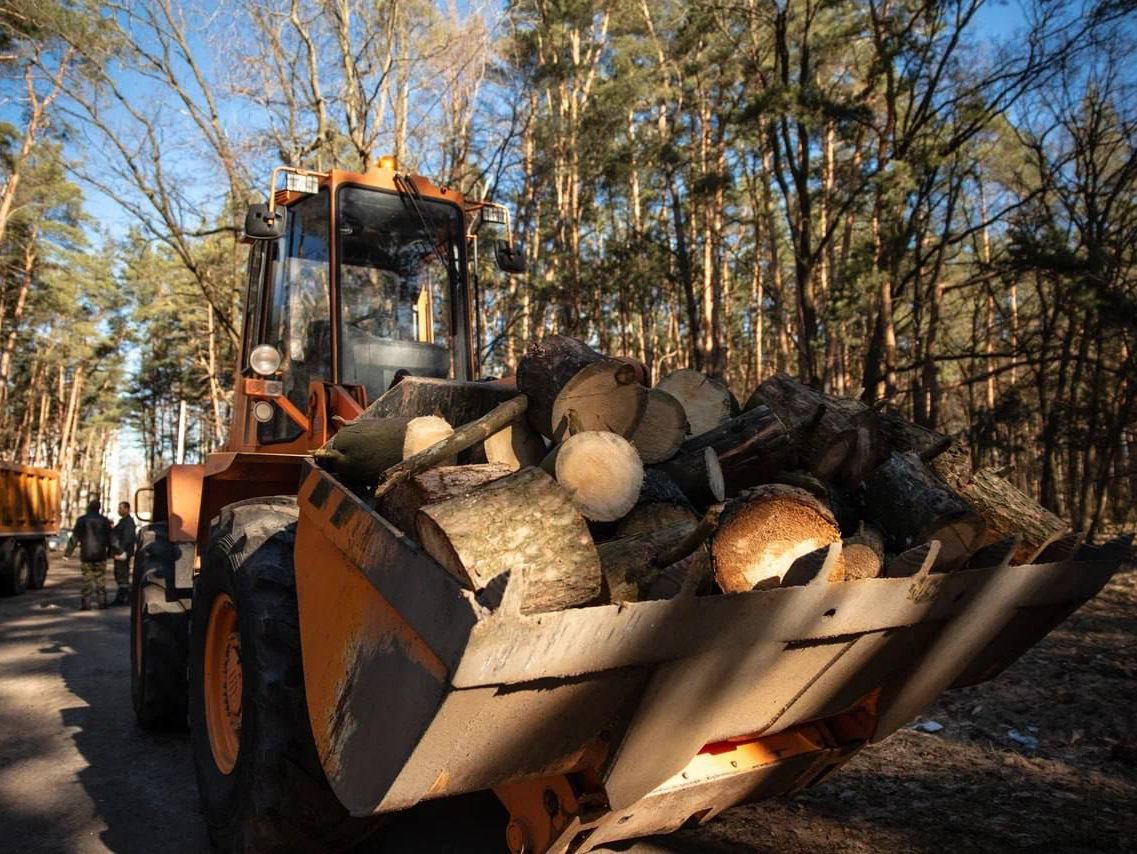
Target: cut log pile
579	485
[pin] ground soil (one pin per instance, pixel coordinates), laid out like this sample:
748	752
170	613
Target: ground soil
77	775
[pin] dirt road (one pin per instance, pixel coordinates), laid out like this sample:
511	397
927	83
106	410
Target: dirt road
76	774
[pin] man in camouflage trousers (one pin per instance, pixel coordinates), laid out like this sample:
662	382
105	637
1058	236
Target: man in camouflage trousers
92	534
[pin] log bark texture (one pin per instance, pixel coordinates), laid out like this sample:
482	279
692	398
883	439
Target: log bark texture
457	402
460	440
763	532
401	504
910	505
629	563
751	447
661	503
707	401
837	439
362	450
524	524
1008	511
545	369
698	474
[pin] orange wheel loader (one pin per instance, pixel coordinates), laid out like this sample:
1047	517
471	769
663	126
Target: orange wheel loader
332	672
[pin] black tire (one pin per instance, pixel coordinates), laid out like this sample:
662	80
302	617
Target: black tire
37	577
159	632
275	797
14	580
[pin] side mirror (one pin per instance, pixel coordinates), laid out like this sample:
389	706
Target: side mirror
508	259
144	503
263	224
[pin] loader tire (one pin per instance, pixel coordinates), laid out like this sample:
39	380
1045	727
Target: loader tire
159	632
14	579
37	576
261	784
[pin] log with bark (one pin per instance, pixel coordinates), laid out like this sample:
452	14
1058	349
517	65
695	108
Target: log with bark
463	438
707	401
1008	511
601	396
752	447
457	402
910	506
362	450
699	476
545	369
401	504
762	532
516	445
837	438
661	429
601	472
630	563
661	503
524	524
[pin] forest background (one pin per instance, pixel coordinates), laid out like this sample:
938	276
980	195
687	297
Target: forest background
930	203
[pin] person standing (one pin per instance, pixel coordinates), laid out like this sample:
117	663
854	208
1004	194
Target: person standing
124	550
92	534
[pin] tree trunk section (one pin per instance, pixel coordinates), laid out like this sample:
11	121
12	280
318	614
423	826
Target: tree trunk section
424	431
629	563
763	532
517	445
1008	511
751	447
401	504
524	524
910	506
662	428
545	369
699	476
601	472
361	451
602	396
707	401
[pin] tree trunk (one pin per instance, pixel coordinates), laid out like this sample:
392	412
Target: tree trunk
601	472
707	401
524	524
662	428
401	504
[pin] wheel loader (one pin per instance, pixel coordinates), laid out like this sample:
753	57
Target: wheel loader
332	672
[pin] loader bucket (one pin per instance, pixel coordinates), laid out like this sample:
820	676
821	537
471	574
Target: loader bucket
603	723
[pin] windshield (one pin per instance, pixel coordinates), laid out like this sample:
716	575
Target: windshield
400	287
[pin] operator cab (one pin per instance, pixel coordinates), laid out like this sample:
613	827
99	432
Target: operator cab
352	279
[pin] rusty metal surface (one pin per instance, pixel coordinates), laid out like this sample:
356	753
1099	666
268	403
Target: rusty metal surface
486	697
29	500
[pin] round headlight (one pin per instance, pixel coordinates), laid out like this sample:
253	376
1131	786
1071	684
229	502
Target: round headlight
265	360
263	411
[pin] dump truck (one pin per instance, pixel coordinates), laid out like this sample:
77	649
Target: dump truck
332	671
29	514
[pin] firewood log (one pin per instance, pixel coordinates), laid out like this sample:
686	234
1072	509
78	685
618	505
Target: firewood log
838	439
902	435
762	532
864	554
601	396
698	474
601	472
457	402
401	504
661	429
524	524
751	448
463	438
692	573
424	431
516	445
545	369
707	401
953	466
629	563
1008	511
661	503
910	505
362	450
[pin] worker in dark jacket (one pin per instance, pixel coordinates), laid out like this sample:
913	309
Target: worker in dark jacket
93	535
124	550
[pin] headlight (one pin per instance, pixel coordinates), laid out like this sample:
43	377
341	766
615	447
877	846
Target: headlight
265	360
